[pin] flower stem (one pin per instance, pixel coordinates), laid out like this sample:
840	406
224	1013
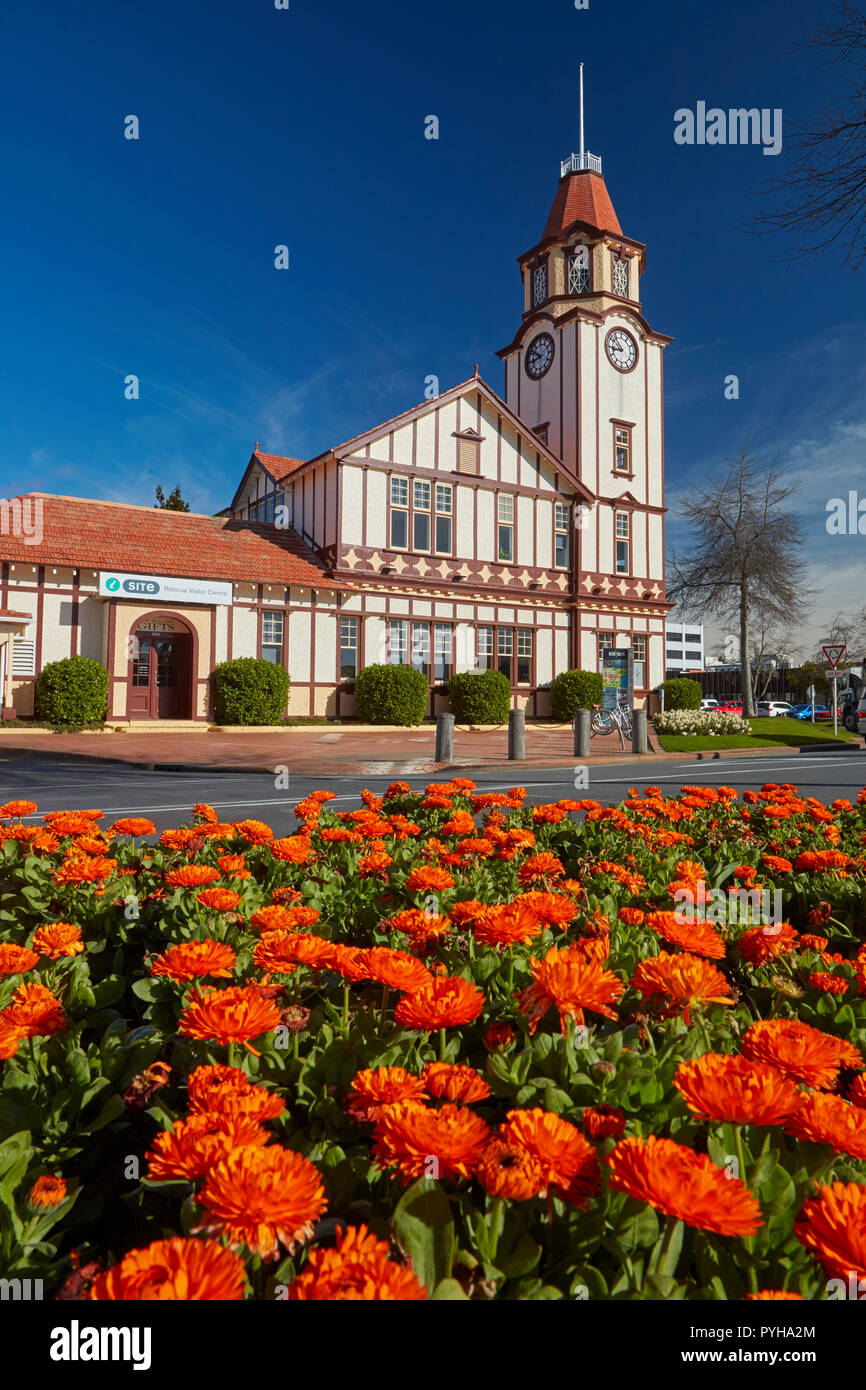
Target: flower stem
441	1044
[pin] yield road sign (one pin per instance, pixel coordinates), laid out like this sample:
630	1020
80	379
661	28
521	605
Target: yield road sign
834	653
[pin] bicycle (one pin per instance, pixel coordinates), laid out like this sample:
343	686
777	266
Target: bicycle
604	721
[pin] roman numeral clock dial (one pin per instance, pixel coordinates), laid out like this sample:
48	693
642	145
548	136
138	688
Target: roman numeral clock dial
621	349
539	356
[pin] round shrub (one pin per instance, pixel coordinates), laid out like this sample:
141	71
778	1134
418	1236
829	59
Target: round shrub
681	693
250	690
391	695
480	697
72	691
574	690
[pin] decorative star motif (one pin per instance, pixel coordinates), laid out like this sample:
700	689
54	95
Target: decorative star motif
622	586
400	564
443	568
422	566
561	581
485	572
655	590
606	585
351	558
464	570
525	578
588	583
375	559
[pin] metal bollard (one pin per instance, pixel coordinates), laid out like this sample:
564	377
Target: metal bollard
581	733
517	735
444	738
638	731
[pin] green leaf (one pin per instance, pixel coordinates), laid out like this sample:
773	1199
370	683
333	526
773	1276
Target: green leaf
425	1229
449	1290
148	990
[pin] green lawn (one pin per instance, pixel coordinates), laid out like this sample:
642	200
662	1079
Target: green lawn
764	733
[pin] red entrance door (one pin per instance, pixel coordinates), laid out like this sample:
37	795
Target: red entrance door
159	677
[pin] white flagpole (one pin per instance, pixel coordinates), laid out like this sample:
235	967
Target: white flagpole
581	115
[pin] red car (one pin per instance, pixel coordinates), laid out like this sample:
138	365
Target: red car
731	707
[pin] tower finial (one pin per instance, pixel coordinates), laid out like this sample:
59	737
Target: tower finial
581	113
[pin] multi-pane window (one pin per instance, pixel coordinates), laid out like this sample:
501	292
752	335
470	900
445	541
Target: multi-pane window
398	642
539	284
622	542
421	493
484	648
605	644
638	645
442	649
348	648
272	637
421	647
622	448
505	527
399	513
444	508
524	656
620	276
560	530
505	652
578	271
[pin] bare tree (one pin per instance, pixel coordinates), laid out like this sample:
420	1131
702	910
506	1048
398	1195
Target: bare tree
824	188
744	560
769	647
849	630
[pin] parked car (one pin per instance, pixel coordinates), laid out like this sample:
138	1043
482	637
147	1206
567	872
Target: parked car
774	709
822	713
731	707
709	704
861	716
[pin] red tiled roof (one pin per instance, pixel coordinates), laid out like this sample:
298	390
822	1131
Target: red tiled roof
582	197
278	466
89	534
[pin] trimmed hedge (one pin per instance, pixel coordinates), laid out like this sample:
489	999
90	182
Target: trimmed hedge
72	691
681	693
480	697
574	690
250	690
391	695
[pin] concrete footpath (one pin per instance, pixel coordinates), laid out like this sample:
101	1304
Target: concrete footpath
334	752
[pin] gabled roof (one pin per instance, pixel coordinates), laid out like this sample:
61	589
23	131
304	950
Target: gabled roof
581	197
87	534
277	466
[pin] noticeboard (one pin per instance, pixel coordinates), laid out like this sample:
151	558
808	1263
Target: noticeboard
617	676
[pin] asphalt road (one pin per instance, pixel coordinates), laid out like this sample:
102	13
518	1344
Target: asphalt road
167	797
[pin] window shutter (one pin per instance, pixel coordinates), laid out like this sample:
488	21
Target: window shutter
468	455
23	656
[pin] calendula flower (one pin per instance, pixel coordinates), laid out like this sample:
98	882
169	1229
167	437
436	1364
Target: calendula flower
828	984
552	908
191	876
602	1122
568	1161
47	1193
736	1090
263	1198
408	1135
133	825
499	1036
445	1002
236	1014
397	969
375	863
233	866
631	916
507	1169
35	1012
177	1269
191	1147
800	1051
280	917
698	936
684	1184
10	1036
681	980
283	951
421	927
351	962
192	960
506	924
828	1119
294	849
832	1226
16	960
228	1091
448	1081
218	899
760	944
359	1269
777	1294
255	832
14	810
377	1086
429	879
573	983
544	865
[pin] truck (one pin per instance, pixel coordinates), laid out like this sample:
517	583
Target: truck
850	687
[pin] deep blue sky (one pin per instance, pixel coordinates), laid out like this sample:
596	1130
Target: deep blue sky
306	127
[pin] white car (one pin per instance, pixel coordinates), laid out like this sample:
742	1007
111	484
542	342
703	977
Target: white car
709	704
861	715
773	709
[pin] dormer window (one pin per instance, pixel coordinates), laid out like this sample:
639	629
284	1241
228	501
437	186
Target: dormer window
539	284
620	276
578	270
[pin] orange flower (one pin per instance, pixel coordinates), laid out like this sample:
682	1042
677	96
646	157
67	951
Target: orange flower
544	865
397	969
498	1037
277	917
507	1169
505	924
735	1090
236	1014
573	983
191	876
15	960
58	939
603	1122
294	849
375	863
631	916
218	899
15	809
552	908
776	864
697	936
178	1269
683	980
828	1119
34	1012
421	927
827	983
445	1002
47	1193
190	1149
263	1198
255	832
282	951
377	1086
568	1161
358	1269
685	1185
429	879
446	1081
133	825
351	961
10	1037
800	1051
761	944
408	1135
773	1293
233	866
85	869
191	960
228	1091
833	1227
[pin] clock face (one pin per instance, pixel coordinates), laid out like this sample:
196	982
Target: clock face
539	356
621	349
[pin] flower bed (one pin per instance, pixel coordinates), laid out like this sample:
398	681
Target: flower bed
697	721
447	1044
